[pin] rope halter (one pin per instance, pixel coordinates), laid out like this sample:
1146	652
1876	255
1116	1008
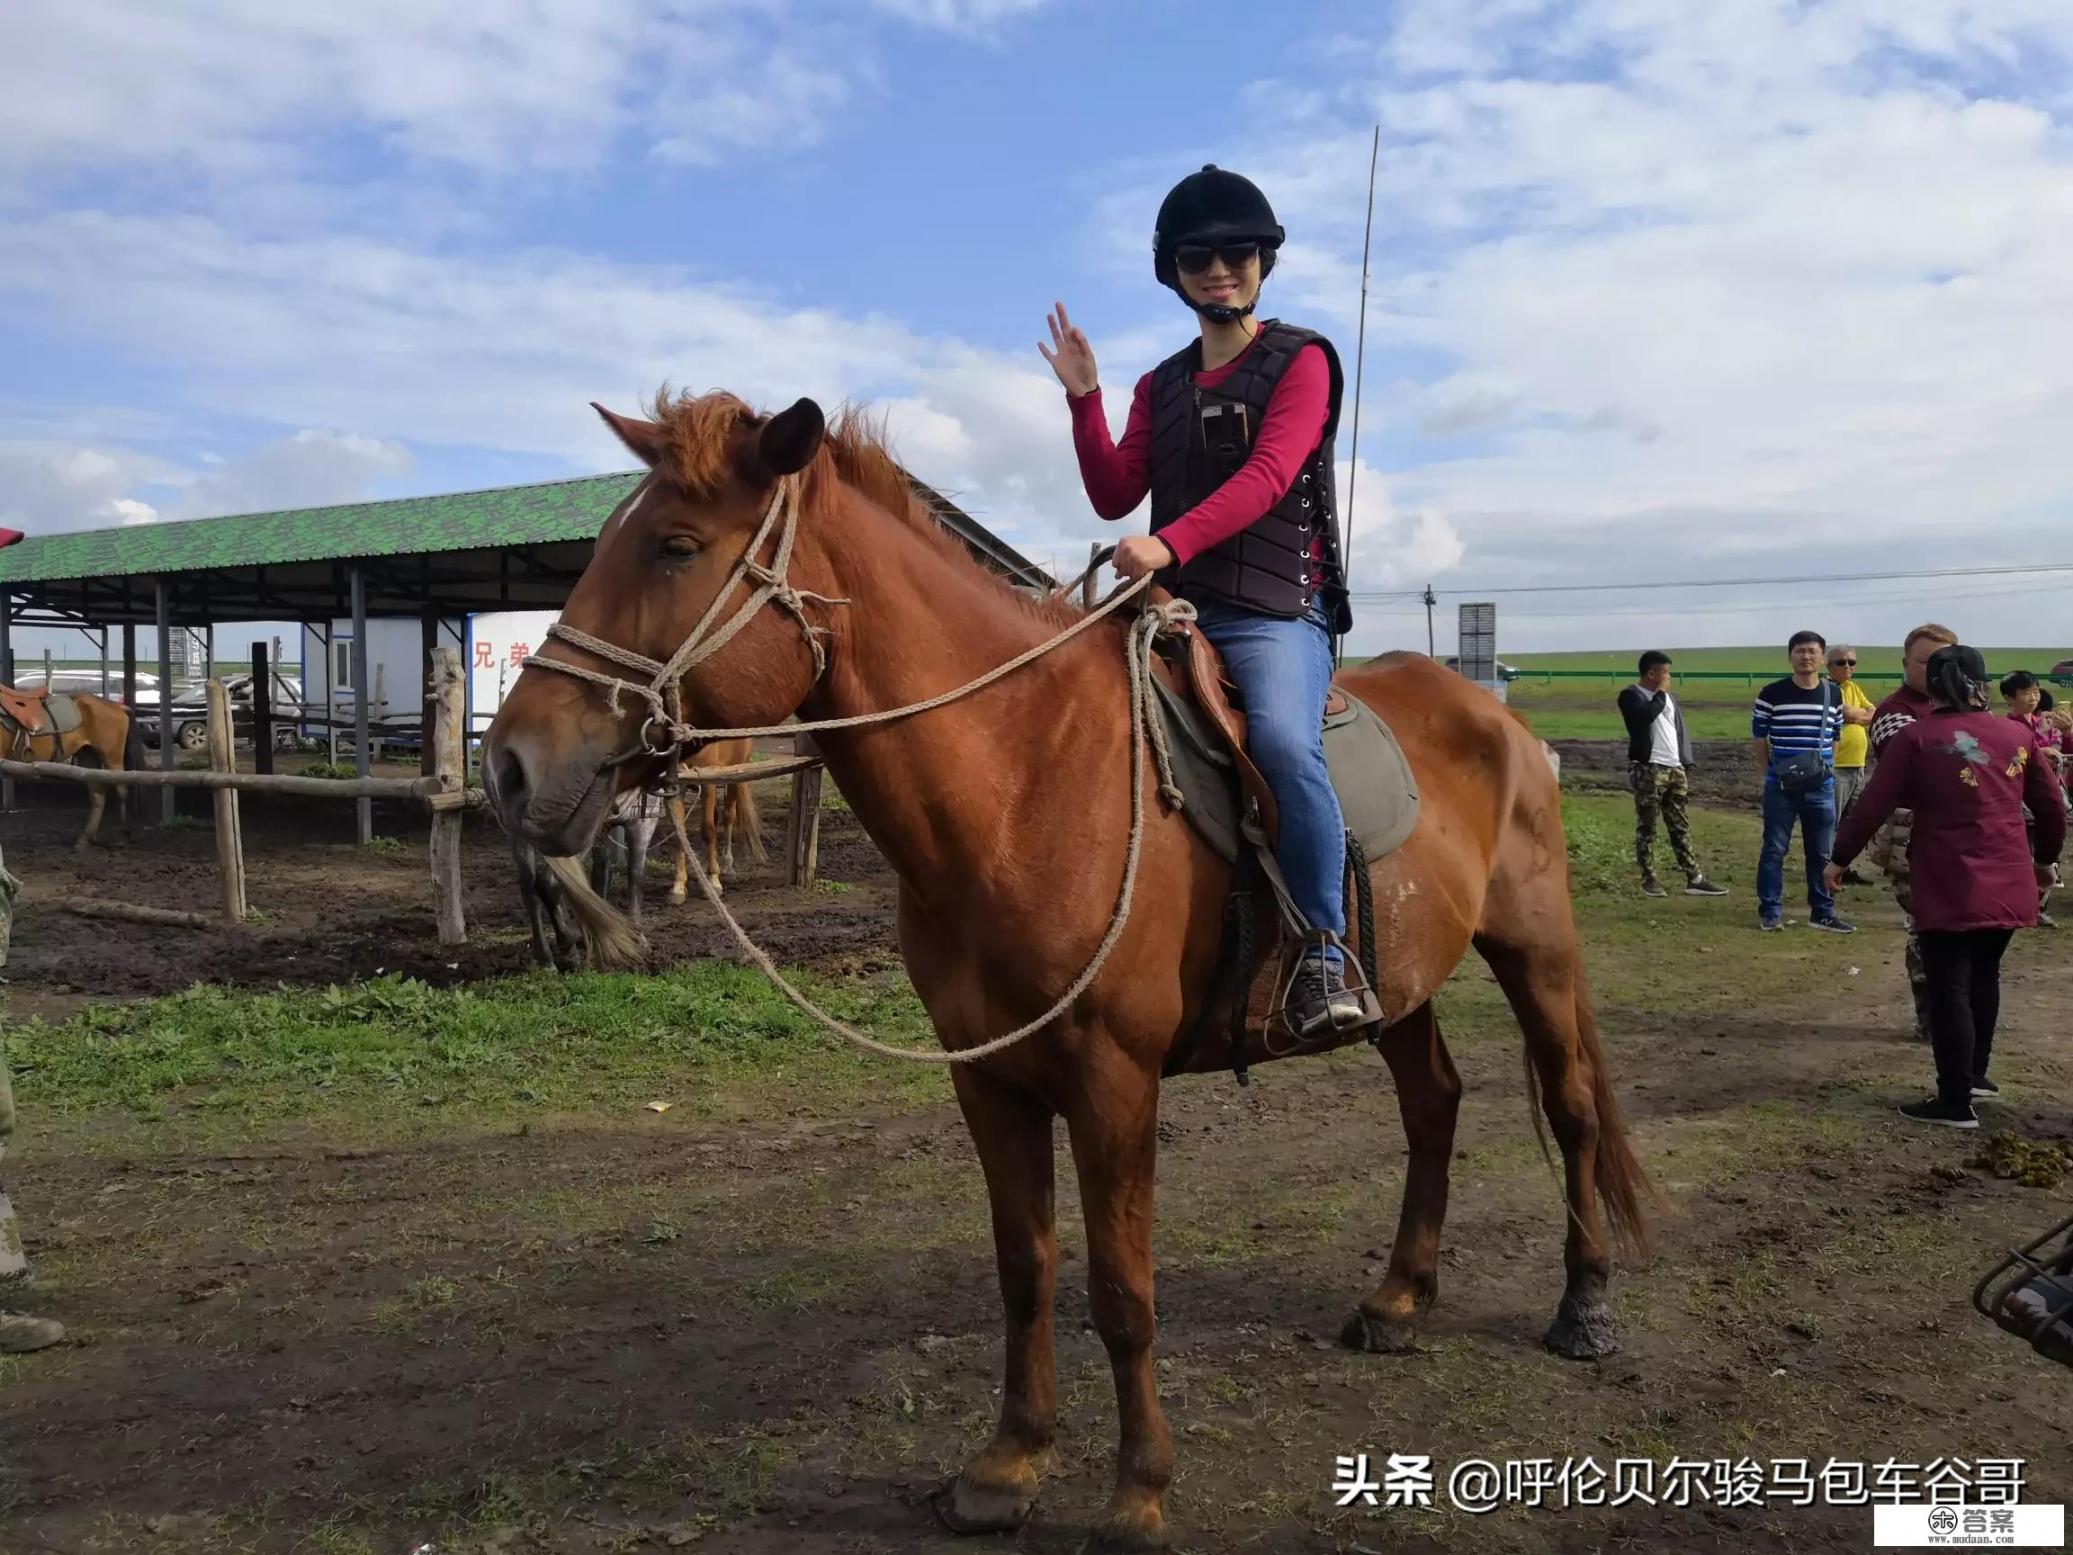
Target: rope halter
663	692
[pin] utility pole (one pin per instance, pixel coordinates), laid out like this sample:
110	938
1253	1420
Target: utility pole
1430	600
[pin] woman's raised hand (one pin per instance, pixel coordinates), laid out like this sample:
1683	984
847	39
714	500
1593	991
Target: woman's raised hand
1069	354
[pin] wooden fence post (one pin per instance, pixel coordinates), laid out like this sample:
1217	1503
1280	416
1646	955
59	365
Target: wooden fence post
803	825
230	842
449	757
262	709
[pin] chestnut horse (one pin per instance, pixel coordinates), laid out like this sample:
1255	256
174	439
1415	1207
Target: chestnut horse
725	806
1004	815
105	728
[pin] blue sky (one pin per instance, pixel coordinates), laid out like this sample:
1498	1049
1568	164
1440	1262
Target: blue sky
1660	289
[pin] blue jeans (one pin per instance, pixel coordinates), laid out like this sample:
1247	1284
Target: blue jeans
1282	669
1815	812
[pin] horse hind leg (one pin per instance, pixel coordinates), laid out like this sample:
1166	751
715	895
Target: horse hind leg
1428	1094
1545	988
712	834
680	885
96	803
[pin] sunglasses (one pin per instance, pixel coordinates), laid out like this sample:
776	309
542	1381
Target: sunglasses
1194	258
1848	664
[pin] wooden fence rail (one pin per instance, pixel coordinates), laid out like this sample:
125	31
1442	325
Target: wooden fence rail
445	793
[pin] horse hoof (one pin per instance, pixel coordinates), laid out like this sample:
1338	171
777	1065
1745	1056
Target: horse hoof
1379	1335
1584	1331
1139	1528
963	1507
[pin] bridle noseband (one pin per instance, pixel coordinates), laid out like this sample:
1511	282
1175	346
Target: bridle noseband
664	692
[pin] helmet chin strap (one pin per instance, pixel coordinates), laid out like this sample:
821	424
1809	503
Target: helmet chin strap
1217	312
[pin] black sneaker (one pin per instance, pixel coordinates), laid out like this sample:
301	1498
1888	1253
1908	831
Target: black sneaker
1832	924
1770	925
1701	886
1319	999
1942	1113
1985	1087
1650	886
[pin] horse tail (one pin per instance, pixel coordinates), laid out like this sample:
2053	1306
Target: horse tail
609	936
747	817
1623	1184
132	744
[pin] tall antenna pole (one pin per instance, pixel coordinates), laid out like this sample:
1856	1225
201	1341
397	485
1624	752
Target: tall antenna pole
1360	351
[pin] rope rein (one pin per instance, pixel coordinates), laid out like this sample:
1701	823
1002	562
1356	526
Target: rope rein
662	694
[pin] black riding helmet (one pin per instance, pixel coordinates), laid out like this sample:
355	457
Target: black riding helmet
1214	205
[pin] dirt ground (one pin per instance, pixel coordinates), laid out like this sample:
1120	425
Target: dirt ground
329	910
610	1335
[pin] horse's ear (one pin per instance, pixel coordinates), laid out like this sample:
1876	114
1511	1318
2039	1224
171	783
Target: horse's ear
791	438
644	439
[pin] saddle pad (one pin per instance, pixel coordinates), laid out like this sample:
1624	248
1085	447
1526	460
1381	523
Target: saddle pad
1373	780
64	713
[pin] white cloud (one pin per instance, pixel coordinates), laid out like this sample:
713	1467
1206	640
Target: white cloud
52	488
1707	280
311	469
963	16
236	90
46	487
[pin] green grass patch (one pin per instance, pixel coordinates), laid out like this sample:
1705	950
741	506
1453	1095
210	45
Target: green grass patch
711	1036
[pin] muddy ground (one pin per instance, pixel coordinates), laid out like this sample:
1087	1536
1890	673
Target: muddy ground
603	1333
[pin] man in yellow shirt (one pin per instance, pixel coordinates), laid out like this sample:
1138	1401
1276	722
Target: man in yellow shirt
1853	745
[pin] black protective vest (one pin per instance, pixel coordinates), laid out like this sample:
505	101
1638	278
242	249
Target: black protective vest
1200	439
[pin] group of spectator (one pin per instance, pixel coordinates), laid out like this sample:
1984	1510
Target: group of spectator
1964	810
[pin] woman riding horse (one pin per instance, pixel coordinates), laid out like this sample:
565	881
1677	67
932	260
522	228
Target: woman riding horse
1232	436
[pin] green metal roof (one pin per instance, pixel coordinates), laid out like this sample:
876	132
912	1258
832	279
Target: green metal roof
458	521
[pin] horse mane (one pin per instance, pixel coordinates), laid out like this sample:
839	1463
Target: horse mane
701	431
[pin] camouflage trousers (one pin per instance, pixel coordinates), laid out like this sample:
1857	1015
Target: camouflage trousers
1663	792
1889	851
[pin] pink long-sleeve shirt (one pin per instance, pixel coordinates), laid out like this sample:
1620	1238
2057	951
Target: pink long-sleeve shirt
1117	475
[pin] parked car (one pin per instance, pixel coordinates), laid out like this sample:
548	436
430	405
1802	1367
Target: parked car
75	681
2062	672
191	712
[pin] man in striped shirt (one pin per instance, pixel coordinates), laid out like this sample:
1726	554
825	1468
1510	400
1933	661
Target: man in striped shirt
1798	716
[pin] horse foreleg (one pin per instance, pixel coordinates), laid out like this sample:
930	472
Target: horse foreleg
1115	1144
997	1488
1428	1094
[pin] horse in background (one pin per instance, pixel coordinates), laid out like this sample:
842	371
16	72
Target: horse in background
623	842
41	726
740	802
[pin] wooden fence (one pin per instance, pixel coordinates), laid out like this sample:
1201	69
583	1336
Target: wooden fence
444	792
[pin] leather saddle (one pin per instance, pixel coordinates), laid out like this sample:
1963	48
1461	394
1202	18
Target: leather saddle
1227	802
1206	734
34	712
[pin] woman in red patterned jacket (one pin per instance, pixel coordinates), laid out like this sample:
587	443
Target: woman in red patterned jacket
1966	774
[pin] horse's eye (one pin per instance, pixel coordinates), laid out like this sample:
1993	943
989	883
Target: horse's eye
680	547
